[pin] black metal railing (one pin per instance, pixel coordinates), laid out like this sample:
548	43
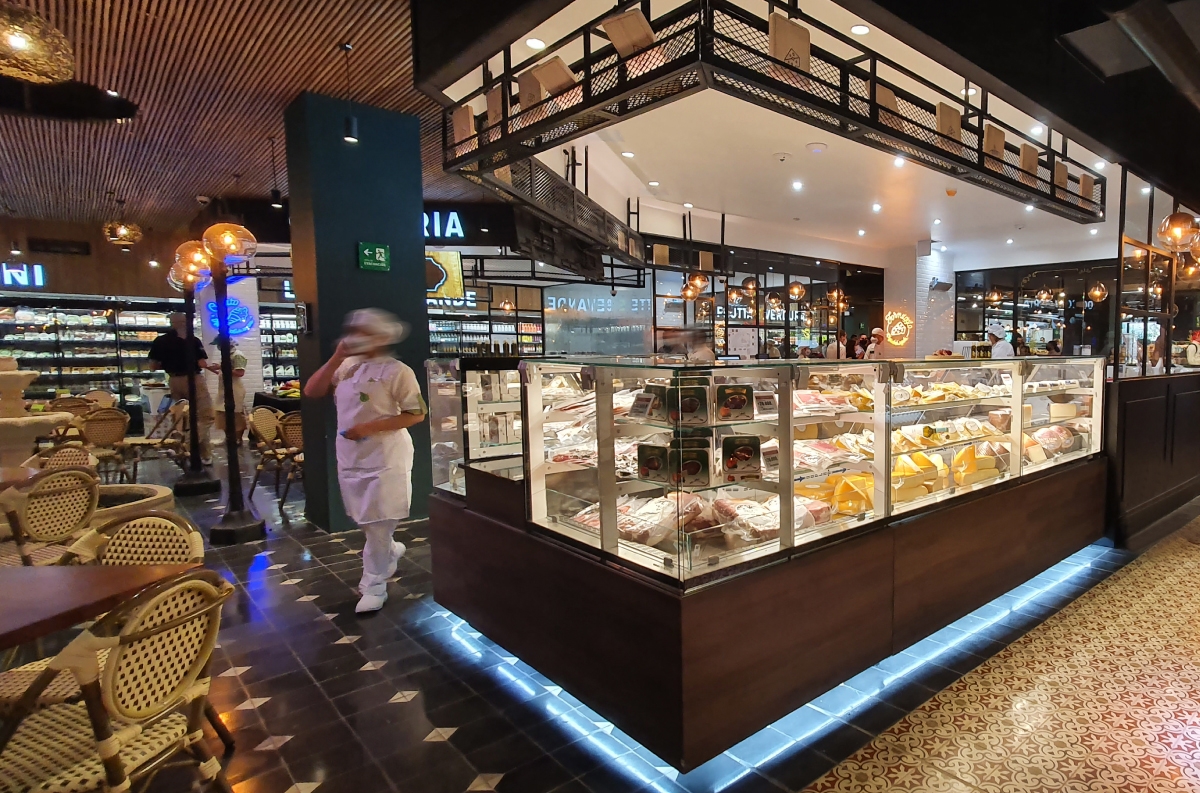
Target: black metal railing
716	44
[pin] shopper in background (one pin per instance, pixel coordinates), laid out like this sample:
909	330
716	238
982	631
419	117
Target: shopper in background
1000	347
875	348
377	399
806	351
860	346
169	353
1019	346
239	390
1052	347
773	349
837	347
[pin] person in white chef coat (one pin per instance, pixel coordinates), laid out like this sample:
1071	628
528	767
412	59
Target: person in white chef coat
1000	347
377	399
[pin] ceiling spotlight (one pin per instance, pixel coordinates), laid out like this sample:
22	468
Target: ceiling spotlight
1029	207
1038	129
15	250
627	154
1099	166
653	184
350	130
1145	191
1008	241
816	147
276	200
862	232
937	221
967	92
942	249
111	92
797	186
687	205
876	207
535	43
153	262
860	30
898	162
1094	232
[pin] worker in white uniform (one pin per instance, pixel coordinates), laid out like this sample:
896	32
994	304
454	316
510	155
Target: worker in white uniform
837	347
377	399
875	348
1000	347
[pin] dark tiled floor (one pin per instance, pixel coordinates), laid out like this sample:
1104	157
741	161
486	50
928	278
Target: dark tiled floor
414	700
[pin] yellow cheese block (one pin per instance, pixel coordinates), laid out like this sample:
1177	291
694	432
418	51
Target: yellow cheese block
806	432
974	477
1035	453
905	466
927	464
820	491
837	479
964	461
983	463
1026	413
1068	410
908	493
854	494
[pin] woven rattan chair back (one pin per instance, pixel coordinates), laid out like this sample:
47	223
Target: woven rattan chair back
167	633
100	398
105	427
55	504
264	423
76	406
65	456
292	431
151	538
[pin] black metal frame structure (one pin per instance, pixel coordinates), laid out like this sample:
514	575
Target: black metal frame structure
716	44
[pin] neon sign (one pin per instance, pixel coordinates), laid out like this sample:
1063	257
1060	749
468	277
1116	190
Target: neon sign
897	327
241	319
23	276
453	228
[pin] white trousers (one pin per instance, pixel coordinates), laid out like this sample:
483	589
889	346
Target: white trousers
379	557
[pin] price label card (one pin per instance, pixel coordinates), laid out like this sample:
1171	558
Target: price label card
1006	378
764	403
641	406
770	458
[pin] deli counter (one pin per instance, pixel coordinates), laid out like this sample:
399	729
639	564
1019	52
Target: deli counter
722	517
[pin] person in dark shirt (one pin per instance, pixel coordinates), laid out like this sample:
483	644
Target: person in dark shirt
169	353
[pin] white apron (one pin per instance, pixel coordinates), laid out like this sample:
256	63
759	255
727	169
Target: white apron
375	473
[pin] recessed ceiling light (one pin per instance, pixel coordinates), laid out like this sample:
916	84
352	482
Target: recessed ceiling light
1029	207
652	184
627	154
1094	232
1008	241
111	92
967	92
797	185
1145	191
816	147
687	205
898	162
481	228
876	207
535	43
942	249
862	232
1099	166
153	262
860	30
937	221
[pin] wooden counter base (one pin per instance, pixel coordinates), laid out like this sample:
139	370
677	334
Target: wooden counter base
689	675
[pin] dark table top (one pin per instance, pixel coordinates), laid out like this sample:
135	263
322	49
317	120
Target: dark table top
37	601
286	404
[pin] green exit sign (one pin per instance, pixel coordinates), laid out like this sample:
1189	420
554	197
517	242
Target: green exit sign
374	257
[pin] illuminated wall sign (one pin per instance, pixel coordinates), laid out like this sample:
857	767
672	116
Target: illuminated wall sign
448	228
897	327
241	318
464	225
23	276
443	275
596	305
470	299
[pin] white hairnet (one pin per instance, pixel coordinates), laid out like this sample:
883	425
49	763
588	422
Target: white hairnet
997	330
877	331
376	322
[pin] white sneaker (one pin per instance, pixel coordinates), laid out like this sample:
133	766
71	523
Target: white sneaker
398	550
370	603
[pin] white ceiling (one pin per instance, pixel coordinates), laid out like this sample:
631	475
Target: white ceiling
721	154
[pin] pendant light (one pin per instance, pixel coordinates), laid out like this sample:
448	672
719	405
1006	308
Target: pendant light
15	250
350	132
699	281
774	301
229	243
1043	296
994	296
1098	292
1179	231
31	49
796	291
734	296
507	306
276	196
689	292
750	285
120	233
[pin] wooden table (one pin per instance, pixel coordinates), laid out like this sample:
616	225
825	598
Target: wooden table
15	477
37	601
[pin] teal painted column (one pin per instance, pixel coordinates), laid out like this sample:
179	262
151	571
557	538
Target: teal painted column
342	194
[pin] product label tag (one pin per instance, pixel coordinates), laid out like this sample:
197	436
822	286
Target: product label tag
770	458
765	404
641	406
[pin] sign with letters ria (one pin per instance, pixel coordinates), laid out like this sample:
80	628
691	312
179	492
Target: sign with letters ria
372	256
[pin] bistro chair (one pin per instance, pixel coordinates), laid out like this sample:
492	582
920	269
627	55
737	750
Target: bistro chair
153	537
165	438
65	455
77	407
291	432
264	431
142	707
45	512
104	434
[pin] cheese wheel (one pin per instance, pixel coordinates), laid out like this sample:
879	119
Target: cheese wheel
822	491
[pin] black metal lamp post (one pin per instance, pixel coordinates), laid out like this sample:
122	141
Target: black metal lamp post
195	479
230	243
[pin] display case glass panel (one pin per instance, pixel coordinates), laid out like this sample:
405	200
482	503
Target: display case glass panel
445	424
1060	411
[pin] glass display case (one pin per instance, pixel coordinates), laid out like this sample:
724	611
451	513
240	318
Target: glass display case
475	419
279	334
680	469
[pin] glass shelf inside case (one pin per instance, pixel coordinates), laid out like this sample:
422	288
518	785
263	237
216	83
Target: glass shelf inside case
1060	411
445	424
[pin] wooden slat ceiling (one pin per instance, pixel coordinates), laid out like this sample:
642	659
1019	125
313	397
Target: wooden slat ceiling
212	78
